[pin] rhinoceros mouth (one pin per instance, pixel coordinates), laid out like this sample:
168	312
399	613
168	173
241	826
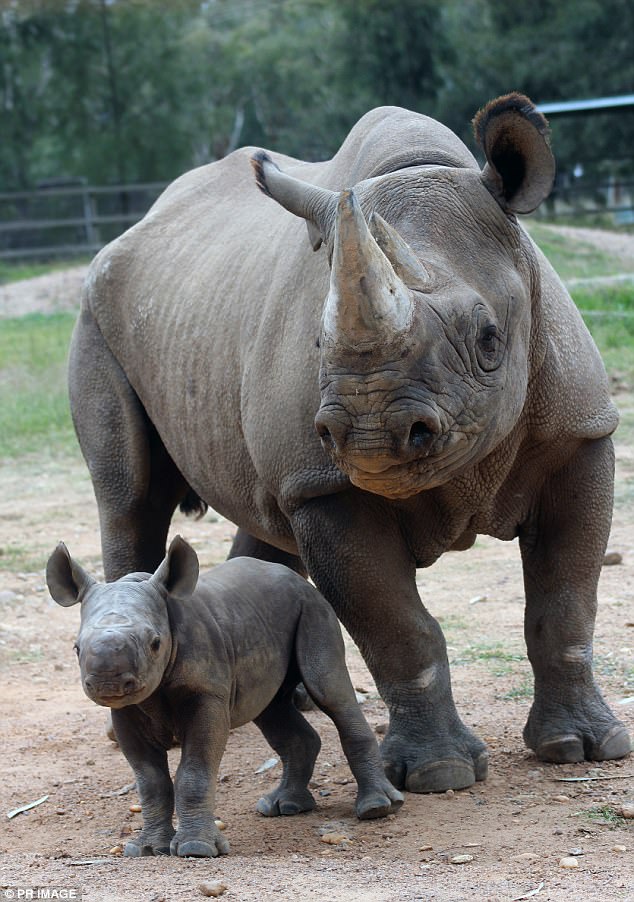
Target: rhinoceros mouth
397	482
403	480
119	700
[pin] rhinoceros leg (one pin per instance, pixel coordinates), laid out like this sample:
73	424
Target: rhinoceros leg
205	730
148	760
292	737
246	545
357	556
562	552
321	659
137	485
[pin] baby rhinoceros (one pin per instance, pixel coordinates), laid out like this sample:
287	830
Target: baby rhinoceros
186	660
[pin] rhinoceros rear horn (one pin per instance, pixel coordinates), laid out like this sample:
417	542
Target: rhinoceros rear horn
406	264
66	580
368	303
520	167
316	205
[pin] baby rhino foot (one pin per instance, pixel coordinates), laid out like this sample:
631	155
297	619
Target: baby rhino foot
149	843
378	801
285	802
199	844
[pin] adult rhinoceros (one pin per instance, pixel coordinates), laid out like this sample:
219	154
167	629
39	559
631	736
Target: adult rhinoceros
358	411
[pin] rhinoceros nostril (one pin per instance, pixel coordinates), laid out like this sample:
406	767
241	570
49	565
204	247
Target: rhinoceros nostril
421	435
129	686
324	434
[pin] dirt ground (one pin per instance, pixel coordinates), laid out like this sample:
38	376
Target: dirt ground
515	828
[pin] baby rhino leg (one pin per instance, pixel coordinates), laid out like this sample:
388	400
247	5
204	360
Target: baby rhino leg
321	659
292	737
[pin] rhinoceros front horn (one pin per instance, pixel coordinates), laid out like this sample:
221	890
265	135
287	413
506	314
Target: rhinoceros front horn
368	304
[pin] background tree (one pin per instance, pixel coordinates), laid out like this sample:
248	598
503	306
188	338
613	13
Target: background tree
551	50
118	91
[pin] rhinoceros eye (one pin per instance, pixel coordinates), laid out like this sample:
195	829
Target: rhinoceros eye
155	644
489	345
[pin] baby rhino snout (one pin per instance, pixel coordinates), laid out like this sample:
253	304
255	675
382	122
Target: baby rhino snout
111	668
102	688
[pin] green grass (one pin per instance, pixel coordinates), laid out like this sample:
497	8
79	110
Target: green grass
607	309
16	272
574	259
23	560
521	692
491	653
34	411
450	622
605	814
28	657
608	312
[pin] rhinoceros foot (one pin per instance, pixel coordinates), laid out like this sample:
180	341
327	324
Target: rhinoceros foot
602	740
378	802
199	843
149	842
285	801
418	766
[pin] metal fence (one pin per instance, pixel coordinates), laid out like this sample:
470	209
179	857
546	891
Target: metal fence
69	219
612	199
77	220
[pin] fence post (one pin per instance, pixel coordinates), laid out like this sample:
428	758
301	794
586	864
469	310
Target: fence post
90	214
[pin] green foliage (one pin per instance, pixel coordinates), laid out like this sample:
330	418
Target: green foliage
96	88
550	50
391	52
140	90
34	411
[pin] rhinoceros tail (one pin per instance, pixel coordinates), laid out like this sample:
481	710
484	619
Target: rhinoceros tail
257	161
193	504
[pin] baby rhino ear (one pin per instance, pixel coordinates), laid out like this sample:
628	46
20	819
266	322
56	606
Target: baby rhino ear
66	580
178	573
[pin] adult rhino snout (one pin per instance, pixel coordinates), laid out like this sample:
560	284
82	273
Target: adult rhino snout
372	446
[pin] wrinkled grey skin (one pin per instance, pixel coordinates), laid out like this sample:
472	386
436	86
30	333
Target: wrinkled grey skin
359	410
176	661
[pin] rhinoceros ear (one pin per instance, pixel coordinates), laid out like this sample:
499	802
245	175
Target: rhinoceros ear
316	205
520	167
178	573
66	580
